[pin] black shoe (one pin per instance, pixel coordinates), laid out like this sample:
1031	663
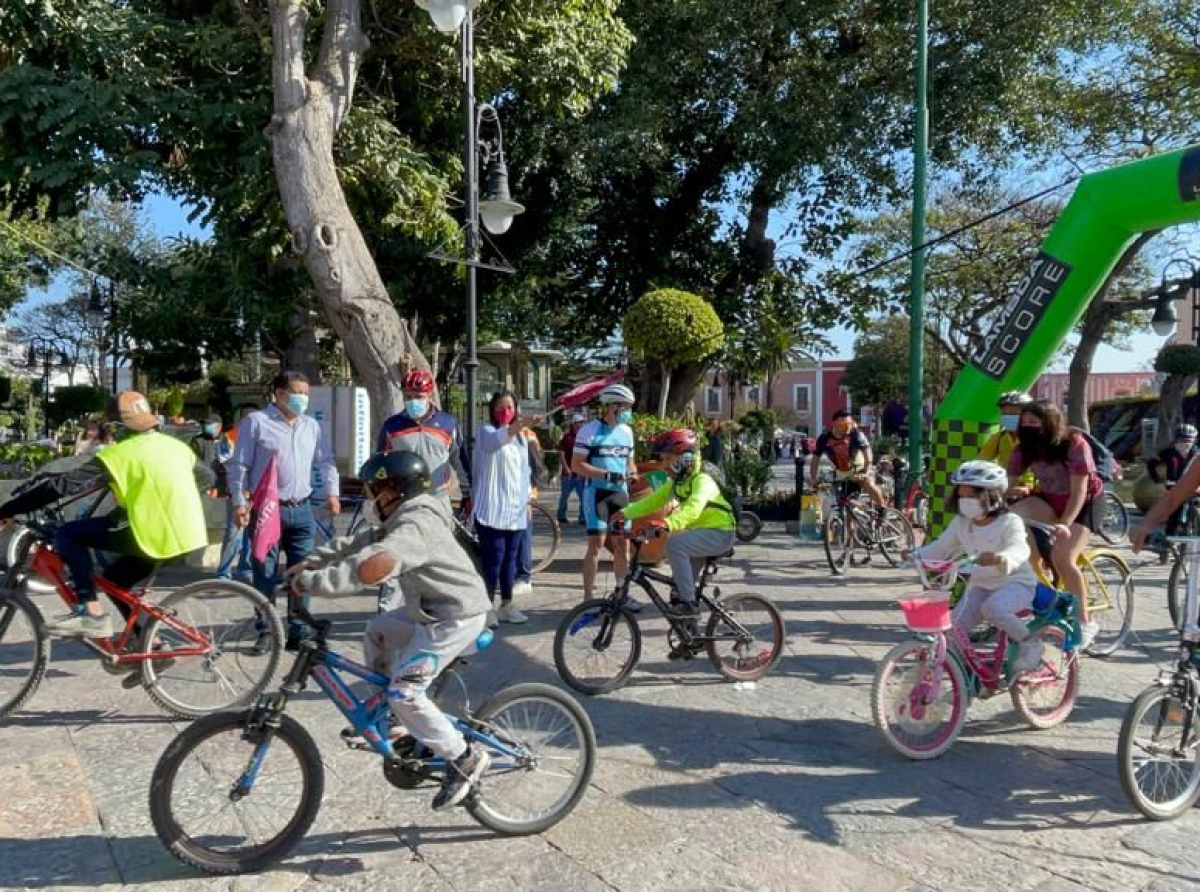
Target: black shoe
264	643
561	519
134	678
461	776
682	609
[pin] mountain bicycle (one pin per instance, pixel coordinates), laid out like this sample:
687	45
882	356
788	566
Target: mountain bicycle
1158	751
1188	527
193	652
923	687
547	534
854	527
599	642
1113	517
236	791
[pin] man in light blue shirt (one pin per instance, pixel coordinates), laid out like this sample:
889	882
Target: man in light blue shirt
284	431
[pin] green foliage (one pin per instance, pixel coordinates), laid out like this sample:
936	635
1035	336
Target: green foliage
760	422
648	426
20	460
749	474
70	403
879	370
673	326
1178	359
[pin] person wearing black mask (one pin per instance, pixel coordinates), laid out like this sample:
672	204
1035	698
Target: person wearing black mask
1066	489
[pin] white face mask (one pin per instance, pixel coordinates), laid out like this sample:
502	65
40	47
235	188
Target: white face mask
971	509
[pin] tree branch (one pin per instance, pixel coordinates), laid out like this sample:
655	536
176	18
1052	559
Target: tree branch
342	47
288	23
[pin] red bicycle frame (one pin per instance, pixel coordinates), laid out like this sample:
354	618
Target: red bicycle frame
48	565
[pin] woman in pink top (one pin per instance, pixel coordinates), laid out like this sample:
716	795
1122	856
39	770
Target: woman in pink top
1067	487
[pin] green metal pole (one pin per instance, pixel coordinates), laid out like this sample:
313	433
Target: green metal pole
916	309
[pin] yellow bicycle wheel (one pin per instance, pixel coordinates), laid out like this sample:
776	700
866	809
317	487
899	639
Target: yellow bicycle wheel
1110	599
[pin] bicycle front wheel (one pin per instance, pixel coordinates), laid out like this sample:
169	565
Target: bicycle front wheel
894	536
226	803
24	650
547	537
544	766
1177	590
750	647
1110	601
596	646
836	536
919	719
1157	754
244	639
1114	518
1046	696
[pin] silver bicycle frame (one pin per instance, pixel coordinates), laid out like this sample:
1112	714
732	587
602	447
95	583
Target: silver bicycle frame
1191	609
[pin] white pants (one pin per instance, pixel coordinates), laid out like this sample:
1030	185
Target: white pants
413	655
998	606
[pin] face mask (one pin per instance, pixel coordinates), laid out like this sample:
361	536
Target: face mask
682	468
416	408
1183	448
297	403
505	415
1029	436
840	430
971	509
1010	422
625	416
211	429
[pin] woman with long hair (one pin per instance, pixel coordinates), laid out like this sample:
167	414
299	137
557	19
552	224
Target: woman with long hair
1065	493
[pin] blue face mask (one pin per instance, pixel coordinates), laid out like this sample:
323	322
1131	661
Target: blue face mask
211	429
625	416
1009	422
416	408
297	403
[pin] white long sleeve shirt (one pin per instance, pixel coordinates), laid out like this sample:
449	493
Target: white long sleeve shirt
501	471
1003	537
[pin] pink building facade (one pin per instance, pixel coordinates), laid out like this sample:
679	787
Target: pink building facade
804	397
1101	386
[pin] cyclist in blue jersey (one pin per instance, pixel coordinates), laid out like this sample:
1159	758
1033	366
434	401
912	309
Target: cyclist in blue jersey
603	457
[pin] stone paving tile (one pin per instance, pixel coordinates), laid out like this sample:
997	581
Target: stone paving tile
783	784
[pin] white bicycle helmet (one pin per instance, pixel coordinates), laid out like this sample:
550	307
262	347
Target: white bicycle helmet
616	393
1013	398
1185	432
981	475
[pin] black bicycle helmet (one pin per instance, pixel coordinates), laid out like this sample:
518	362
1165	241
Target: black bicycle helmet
407	471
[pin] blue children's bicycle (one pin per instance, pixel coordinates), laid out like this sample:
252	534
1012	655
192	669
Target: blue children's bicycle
236	791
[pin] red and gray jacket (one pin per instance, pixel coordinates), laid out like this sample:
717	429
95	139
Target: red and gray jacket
435	438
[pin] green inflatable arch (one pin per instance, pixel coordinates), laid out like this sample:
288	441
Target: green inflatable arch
1108	210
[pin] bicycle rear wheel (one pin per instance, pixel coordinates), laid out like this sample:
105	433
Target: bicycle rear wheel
1046	696
1114	518
1177	590
1110	601
236	667
227	804
837	538
555	751
596	646
916	720
752	651
1156	758
894	535
547	537
24	650
748	526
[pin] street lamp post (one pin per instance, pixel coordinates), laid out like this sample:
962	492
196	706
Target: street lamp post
46	354
101	311
916	310
496	209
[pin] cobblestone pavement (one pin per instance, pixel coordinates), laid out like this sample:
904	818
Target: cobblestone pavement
700	784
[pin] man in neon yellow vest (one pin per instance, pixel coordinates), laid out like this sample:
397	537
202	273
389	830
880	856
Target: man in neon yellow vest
156	482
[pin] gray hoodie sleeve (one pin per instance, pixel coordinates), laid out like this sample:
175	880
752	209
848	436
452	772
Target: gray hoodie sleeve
339	576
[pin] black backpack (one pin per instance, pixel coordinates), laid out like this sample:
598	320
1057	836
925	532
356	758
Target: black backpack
728	493
1107	468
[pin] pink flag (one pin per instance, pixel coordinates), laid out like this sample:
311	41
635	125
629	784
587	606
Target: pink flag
267	529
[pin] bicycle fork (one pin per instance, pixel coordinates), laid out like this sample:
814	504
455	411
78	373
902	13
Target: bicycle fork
923	693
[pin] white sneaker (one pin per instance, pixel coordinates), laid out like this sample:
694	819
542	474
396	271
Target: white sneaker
522	587
492	621
509	613
1087	633
80	625
1029	657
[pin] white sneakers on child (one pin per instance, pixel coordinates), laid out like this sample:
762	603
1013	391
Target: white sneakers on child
1029	656
1087	633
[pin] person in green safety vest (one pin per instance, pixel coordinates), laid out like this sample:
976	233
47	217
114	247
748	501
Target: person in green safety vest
156	481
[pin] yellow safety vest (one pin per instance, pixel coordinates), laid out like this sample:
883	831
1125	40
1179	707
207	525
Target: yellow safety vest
152	479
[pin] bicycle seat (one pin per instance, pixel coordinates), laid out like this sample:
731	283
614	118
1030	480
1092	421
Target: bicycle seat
715	559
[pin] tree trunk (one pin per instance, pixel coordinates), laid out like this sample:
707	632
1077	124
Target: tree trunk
685	382
309	109
1096	320
665	392
1170	406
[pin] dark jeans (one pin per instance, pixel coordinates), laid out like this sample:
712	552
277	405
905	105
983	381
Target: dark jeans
75	540
499	552
570	485
235	549
525	556
296	540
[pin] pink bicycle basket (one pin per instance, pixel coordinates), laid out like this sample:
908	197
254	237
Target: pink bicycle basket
927	614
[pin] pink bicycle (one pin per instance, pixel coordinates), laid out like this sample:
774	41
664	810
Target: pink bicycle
924	686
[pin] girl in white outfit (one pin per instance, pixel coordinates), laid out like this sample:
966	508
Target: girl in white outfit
1003	583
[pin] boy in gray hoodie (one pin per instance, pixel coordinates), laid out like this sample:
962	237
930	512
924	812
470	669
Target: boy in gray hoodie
444	611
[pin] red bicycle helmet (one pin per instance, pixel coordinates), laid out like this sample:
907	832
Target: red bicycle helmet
675	441
417	381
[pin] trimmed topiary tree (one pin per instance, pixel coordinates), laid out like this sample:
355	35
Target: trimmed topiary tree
1181	364
672	327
